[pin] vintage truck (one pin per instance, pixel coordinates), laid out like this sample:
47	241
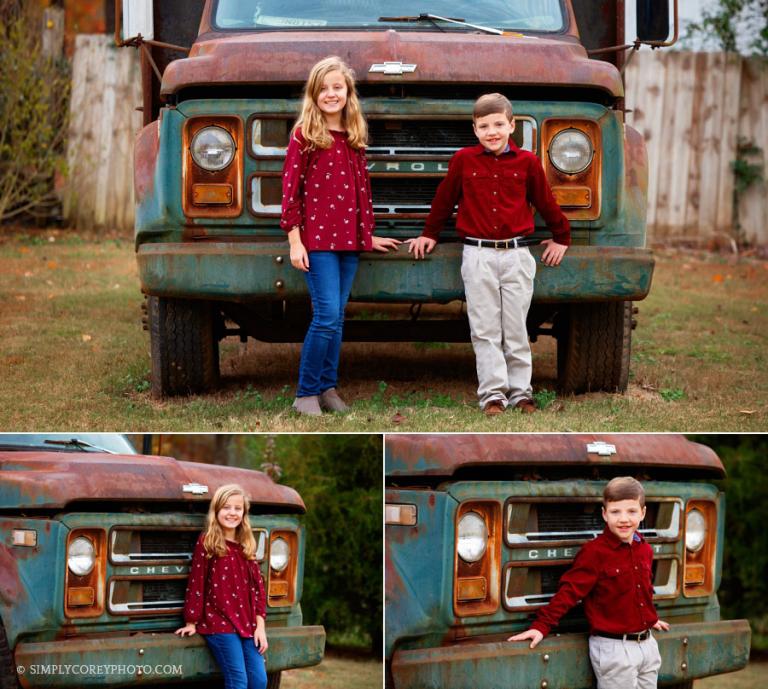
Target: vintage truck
479	529
95	546
212	259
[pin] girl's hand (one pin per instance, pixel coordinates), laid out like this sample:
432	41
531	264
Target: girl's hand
420	246
661	626
299	255
260	638
553	253
189	629
384	244
533	634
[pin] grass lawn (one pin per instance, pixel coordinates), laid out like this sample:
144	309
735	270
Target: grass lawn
336	672
74	356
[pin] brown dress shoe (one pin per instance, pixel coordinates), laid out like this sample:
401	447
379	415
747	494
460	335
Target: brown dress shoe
527	406
493	408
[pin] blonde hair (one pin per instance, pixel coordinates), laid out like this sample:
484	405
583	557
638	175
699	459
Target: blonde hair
624	488
311	120
214	541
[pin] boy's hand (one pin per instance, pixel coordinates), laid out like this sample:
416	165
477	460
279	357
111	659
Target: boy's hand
661	626
420	246
534	634
553	253
188	629
384	244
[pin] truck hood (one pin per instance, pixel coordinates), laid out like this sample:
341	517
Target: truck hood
54	479
280	57
444	455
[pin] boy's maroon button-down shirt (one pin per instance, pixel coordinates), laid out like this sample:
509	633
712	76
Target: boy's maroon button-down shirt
494	194
614	580
224	594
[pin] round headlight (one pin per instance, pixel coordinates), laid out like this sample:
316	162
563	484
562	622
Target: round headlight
81	556
695	531
279	552
213	148
571	151
473	537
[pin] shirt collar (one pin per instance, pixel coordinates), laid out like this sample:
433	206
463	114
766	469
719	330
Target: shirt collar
511	148
615	542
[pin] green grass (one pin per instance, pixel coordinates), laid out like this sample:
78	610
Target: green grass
335	672
751	677
74	356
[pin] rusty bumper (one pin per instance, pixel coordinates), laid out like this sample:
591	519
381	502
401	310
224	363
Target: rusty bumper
687	651
159	659
240	271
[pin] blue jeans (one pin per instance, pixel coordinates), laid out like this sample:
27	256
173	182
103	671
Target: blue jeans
329	281
239	661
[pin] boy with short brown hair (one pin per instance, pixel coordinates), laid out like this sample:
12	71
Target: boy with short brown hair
495	184
612	575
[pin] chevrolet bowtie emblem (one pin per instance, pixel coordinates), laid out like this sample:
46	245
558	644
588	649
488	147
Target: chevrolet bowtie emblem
392	68
601	448
194	488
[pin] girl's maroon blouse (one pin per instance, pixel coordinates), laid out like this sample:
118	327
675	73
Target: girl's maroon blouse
224	594
327	193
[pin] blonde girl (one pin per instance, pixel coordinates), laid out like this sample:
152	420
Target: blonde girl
225	594
328	215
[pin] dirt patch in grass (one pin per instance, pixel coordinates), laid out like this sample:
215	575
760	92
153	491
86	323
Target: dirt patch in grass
336	672
74	356
751	677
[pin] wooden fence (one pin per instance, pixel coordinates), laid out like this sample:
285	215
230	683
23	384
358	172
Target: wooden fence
106	90
692	109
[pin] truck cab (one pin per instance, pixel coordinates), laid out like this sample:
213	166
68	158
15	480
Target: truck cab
212	258
480	528
95	545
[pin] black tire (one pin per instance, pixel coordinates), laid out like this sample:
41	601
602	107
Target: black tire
593	347
184	346
8	677
273	680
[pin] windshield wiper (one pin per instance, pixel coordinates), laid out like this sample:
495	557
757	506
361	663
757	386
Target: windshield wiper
434	17
76	442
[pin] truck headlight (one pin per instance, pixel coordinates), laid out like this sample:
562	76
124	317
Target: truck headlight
473	537
695	531
213	148
571	151
279	554
81	556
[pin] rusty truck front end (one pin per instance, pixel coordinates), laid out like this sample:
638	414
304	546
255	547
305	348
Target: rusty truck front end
479	530
95	551
212	258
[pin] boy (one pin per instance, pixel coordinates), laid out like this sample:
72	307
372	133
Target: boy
612	575
494	183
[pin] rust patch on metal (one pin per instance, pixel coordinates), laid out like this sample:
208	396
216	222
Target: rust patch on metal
145	160
11	589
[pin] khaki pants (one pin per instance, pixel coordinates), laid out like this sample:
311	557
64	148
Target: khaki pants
625	664
498	284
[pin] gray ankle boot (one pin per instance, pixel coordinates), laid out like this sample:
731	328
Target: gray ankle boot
308	405
331	401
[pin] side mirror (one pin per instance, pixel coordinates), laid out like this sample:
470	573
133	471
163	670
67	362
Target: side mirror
652	20
137	18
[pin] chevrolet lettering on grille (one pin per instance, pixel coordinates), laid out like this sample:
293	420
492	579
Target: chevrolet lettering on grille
161	569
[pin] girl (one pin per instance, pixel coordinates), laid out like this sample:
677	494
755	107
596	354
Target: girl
328	215
225	593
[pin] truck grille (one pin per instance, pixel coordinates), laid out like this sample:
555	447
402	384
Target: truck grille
580	521
551	531
407	159
151	566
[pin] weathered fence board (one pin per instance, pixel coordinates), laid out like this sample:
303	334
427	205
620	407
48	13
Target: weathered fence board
106	89
693	109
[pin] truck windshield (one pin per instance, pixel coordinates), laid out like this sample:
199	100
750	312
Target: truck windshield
67	442
516	15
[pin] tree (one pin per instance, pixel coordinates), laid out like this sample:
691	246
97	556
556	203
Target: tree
34	97
727	24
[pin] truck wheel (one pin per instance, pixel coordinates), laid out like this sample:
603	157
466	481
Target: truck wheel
8	678
593	345
273	680
184	346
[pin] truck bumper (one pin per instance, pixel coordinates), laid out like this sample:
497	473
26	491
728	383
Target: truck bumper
150	659
687	651
240	271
